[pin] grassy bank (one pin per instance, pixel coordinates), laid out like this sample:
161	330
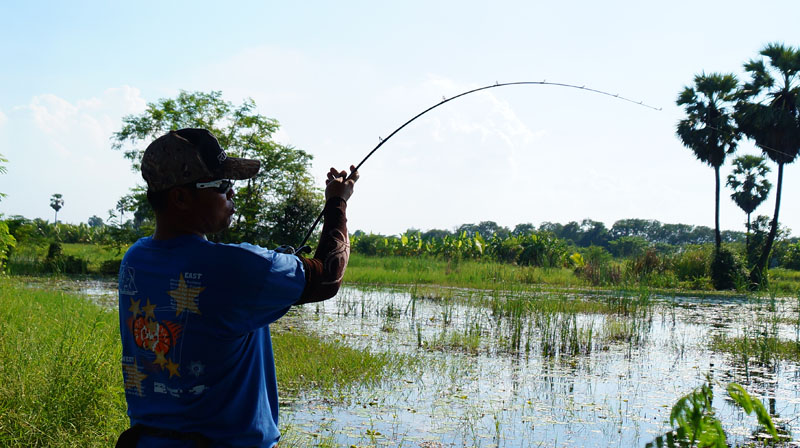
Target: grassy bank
462	273
61	381
60	378
397	270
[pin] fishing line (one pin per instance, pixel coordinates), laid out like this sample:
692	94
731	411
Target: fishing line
303	248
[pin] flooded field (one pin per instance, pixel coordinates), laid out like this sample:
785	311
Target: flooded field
538	368
565	369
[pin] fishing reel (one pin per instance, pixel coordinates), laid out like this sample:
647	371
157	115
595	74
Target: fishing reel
287	249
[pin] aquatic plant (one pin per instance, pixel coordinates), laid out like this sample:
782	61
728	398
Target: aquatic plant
696	424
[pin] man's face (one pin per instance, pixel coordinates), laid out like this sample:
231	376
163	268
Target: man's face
211	210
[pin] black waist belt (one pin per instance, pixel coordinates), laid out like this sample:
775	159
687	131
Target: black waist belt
130	437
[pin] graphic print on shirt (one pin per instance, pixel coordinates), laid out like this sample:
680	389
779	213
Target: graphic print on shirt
133	376
185	297
159	337
126	280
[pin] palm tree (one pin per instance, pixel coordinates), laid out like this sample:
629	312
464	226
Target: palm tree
56	202
708	129
768	112
750	186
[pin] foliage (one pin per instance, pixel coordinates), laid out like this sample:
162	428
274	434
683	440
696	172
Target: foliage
768	112
727	271
761	228
628	246
791	259
696	424
57	262
95	221
646	264
270	207
692	263
656	232
533	249
748	180
60	381
7	244
598	267
305	362
584	234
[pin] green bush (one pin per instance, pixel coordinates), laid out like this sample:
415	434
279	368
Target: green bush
692	263
58	263
791	259
727	270
598	268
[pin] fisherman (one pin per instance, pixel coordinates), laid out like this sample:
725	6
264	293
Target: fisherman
194	315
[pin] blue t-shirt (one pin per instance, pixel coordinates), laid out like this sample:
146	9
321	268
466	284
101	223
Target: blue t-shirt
196	348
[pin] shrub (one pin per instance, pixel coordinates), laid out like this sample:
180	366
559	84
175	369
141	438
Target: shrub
598	268
727	270
692	263
791	259
58	263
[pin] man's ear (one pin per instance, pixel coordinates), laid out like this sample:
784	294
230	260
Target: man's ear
181	198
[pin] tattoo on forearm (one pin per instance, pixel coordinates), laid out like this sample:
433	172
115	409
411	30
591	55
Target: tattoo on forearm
336	260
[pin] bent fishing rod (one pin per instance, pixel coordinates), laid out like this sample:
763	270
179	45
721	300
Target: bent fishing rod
302	248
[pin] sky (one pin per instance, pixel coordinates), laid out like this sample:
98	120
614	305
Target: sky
339	75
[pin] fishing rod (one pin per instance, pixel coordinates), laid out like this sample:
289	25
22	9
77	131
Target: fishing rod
302	248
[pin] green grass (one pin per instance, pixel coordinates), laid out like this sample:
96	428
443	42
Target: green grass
61	381
423	272
305	363
463	273
757	347
30	259
784	280
60	378
93	253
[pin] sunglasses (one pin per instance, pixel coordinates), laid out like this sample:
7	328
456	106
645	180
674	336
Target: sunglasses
222	186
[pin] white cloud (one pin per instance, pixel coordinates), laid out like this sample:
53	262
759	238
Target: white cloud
87	120
65	145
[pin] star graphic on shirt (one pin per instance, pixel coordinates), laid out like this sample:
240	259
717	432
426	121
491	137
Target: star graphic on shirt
149	310
160	360
173	369
185	296
134	308
133	377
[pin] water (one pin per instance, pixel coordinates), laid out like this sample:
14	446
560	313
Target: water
618	395
492	393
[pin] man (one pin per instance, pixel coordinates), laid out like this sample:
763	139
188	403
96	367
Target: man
194	315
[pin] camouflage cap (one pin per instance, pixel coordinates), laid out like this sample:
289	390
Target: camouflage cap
187	155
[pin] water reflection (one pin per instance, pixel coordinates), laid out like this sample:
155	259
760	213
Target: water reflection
618	393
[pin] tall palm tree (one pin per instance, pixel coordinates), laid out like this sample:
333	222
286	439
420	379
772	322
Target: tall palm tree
768	112
708	129
56	202
751	188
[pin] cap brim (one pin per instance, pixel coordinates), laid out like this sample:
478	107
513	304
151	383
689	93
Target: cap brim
239	169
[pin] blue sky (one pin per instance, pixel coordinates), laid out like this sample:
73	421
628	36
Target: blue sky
337	75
